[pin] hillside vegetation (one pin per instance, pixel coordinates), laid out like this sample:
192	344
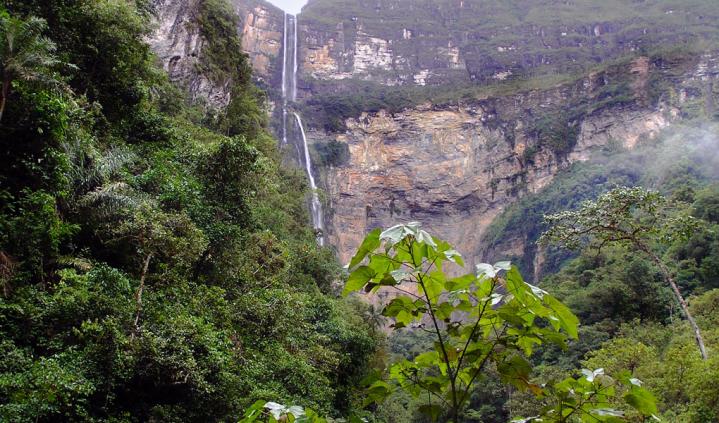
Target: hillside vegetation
156	264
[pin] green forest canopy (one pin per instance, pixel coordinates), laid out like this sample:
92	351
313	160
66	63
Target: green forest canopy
156	262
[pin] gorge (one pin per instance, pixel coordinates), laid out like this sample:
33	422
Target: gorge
419	143
371	211
289	97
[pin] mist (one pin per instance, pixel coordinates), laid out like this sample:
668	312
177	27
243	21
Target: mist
290	6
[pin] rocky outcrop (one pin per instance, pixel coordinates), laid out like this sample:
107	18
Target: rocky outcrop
455	168
458	41
262	35
449	170
178	43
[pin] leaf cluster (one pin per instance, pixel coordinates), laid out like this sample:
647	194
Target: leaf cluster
490	316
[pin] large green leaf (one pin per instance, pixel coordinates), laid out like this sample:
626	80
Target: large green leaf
370	243
358	279
567	320
396	233
402	309
642	400
382	264
378	392
515	371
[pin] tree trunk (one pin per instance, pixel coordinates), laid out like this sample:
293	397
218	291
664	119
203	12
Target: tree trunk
138	296
682	302
3	95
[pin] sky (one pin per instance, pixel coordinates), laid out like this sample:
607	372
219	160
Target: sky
291	6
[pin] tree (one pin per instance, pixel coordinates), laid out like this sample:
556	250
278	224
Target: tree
631	217
25	54
488	317
130	218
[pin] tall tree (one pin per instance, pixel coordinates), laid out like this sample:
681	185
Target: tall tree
633	217
25	54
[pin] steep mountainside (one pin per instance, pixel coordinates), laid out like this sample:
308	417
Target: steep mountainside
455	167
439	41
447	111
180	34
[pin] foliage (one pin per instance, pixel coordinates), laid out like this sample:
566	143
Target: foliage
152	269
590	398
557	132
273	412
625	216
628	217
665	358
678	163
225	63
492	316
25	54
331	154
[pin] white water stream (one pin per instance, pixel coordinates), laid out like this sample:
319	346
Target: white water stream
289	94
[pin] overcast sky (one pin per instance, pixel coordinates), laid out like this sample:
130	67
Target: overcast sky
291	6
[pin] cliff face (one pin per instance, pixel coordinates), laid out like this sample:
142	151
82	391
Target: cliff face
451	171
262	35
455	168
178	43
423	42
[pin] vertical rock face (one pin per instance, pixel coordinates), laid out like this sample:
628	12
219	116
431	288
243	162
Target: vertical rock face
451	170
455	168
178	44
262	32
457	41
349	50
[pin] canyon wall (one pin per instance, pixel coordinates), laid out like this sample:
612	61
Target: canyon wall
178	44
455	168
456	165
432	42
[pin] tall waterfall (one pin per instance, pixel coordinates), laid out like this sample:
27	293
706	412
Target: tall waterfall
289	95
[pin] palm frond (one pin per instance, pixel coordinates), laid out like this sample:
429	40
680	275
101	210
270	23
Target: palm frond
111	200
26	54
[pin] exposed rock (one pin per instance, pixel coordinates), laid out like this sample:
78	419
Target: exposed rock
262	32
445	168
178	44
455	168
472	40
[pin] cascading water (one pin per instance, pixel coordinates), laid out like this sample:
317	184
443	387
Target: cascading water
289	94
284	85
317	218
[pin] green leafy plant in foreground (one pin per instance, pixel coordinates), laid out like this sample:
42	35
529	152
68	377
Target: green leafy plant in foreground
273	412
490	317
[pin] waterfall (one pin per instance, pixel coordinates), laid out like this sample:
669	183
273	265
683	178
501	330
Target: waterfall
289	95
284	84
294	61
316	205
